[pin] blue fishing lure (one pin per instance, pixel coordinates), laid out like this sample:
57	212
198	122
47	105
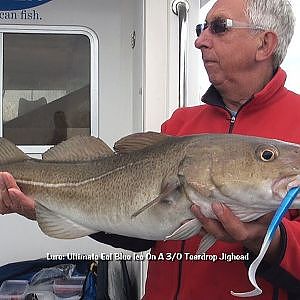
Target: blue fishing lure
281	211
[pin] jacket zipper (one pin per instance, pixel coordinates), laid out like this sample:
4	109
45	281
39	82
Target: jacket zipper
233	117
232	121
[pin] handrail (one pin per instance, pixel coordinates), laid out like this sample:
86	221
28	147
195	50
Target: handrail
180	8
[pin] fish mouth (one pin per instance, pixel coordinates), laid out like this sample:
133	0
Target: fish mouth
282	185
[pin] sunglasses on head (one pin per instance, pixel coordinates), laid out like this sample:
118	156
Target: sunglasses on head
221	25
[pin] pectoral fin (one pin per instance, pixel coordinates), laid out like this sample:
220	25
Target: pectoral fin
206	242
169	186
58	226
186	230
147	206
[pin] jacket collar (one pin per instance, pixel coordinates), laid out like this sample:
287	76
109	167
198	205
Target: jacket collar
213	97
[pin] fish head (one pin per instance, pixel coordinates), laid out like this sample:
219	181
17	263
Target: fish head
239	169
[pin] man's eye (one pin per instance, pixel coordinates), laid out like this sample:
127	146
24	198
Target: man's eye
219	26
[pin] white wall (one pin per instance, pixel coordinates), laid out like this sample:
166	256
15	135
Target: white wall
161	61
156	63
291	64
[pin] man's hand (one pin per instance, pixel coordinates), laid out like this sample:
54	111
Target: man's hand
229	228
12	200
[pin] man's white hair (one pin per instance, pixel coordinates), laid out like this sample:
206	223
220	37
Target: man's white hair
277	16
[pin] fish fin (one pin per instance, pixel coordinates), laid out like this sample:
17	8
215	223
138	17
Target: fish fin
9	152
78	148
58	226
169	185
186	230
206	242
145	207
161	197
138	141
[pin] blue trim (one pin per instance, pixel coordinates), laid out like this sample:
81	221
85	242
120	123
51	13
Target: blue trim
20	4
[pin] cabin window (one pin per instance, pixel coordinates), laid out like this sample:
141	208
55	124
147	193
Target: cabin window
46	88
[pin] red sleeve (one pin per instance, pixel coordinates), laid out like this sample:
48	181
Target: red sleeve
291	259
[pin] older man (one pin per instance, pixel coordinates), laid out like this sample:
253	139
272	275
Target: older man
243	43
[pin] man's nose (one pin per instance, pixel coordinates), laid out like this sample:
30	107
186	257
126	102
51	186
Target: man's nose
204	39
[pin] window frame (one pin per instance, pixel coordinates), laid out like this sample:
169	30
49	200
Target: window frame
94	72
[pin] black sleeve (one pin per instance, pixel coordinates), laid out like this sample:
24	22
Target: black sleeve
276	275
119	241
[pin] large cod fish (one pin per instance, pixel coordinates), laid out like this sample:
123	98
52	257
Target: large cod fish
146	187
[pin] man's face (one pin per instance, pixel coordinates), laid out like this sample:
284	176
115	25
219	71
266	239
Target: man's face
227	55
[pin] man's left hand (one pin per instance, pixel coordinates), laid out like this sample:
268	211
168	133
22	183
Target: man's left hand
229	228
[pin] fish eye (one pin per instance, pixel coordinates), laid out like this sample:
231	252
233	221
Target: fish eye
267	154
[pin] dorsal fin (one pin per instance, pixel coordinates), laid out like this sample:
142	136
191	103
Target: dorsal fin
138	141
78	148
9	152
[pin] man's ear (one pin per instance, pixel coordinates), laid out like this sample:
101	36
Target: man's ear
268	41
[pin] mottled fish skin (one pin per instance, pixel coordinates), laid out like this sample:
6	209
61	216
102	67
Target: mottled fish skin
79	191
103	194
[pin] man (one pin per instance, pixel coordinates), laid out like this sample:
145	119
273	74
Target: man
243	43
